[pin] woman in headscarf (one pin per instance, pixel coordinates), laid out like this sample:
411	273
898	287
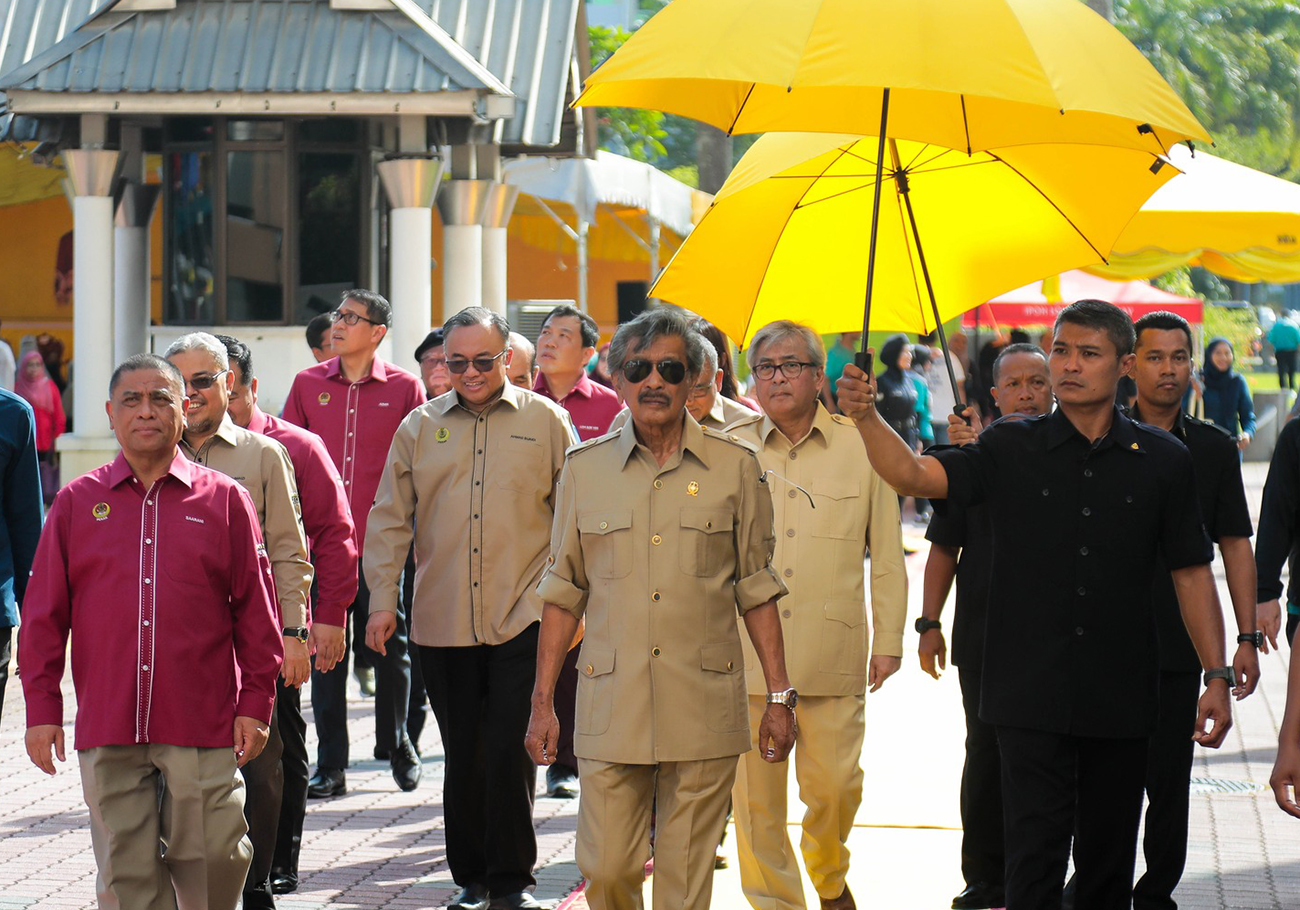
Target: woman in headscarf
896	392
1226	395
36	387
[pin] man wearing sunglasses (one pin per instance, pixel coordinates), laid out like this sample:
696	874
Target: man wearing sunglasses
471	478
706	403
663	532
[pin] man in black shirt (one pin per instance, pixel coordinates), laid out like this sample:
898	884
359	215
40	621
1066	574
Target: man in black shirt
1082	503
961	547
1279	536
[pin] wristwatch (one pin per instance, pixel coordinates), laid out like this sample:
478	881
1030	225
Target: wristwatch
1224	673
297	632
1254	638
924	625
789	698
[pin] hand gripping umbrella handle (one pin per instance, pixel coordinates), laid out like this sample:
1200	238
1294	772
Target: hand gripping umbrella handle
862	360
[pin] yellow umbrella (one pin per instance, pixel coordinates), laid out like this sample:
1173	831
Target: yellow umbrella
783	238
1233	220
965	74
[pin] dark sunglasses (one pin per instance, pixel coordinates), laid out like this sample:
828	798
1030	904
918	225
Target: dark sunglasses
482	364
206	381
671	371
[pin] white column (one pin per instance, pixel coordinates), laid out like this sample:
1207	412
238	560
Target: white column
500	204
131	270
410	183
90	173
462	204
583	265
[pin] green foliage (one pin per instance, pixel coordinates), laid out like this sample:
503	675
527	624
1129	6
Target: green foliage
1237	324
625	131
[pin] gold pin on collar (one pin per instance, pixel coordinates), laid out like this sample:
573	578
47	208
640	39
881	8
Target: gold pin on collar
693	488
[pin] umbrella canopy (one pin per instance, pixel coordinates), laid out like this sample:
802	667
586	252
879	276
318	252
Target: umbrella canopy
785	236
976	74
1237	222
1038	303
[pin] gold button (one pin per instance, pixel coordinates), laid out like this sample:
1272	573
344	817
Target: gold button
655	596
656	540
659	484
655	652
708	524
589	669
729	665
604	525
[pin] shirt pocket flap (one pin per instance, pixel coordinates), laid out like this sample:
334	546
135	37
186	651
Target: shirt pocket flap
837	489
722	658
597	661
605	522
849	612
710	521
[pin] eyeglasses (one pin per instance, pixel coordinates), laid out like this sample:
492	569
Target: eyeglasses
671	371
349	318
434	362
699	391
205	381
790	369
482	364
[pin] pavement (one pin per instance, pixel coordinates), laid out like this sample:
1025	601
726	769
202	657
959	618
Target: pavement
377	847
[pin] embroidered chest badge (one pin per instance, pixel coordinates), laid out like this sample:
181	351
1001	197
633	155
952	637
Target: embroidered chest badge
442	435
693	488
323	398
100	511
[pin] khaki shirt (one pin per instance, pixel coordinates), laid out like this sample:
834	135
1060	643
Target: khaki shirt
477	493
725	415
262	467
819	554
658	561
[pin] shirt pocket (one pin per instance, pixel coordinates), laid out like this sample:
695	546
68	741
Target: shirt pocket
705	541
722	691
844	637
595	702
518	466
838	511
607	542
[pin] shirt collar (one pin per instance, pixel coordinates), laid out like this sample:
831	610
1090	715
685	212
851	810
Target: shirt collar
718	411
692	440
378	370
258	421
181	468
1121	433
1179	428
582	388
227	432
821	427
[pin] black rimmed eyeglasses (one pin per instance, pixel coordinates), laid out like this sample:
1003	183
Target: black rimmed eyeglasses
349	318
790	369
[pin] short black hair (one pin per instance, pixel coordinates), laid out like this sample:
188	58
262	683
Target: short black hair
317	328
237	351
1098	314
586	325
431	341
477	315
1163	320
146	362
1010	351
378	309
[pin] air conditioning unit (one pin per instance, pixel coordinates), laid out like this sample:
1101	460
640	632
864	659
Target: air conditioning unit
526	316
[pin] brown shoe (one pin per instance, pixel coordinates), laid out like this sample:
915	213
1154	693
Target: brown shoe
843	902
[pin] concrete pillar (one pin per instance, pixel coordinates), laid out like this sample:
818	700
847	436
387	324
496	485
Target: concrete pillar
500	203
90	174
462	204
411	184
131	269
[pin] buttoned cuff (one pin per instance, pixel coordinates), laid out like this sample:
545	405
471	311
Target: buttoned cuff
887	644
383	602
757	589
258	707
43	709
563	593
294	616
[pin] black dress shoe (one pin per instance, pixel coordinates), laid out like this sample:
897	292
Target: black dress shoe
561	782
980	896
382	754
283	881
327	782
520	900
472	897
407	769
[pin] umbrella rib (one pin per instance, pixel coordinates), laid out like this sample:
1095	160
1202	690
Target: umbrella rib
965	123
1052	203
740	110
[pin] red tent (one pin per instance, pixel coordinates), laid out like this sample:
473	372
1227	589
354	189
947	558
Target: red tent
1029	305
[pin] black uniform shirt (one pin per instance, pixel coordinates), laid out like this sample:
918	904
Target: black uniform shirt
969	529
1279	518
1077	530
1223	508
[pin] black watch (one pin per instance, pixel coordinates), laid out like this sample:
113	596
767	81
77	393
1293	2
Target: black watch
1254	638
297	632
1224	673
924	625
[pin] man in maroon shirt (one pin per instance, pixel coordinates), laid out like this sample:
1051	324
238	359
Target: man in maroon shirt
167	594
566	344
354	402
332	540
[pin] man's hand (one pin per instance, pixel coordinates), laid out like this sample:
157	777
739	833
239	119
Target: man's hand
1243	441
1245	669
328	644
776	732
1286	777
297	662
933	650
880	668
43	739
961	433
1268	619
543	737
1215	707
250	739
379	628
856	393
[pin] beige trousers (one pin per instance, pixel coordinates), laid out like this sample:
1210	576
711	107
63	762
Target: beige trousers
826	760
690	802
167	826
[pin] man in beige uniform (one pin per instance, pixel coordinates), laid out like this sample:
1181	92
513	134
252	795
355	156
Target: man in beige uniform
663	531
816	459
471	476
262	467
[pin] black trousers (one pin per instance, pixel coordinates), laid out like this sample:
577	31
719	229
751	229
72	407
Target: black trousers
982	855
1169	771
392	694
1055	786
1286	363
480	697
6	654
294	766
566	708
264	784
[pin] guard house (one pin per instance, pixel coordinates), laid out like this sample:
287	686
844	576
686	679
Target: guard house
302	143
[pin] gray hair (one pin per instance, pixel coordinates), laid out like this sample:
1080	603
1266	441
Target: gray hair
477	315
146	362
710	368
782	329
201	341
649	327
522	344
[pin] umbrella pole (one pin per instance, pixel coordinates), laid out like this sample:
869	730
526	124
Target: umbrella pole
863	357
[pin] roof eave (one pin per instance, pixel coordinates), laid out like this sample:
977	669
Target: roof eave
476	104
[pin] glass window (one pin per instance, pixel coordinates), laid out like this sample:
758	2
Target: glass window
192	272
255	222
333	130
255	130
329	229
